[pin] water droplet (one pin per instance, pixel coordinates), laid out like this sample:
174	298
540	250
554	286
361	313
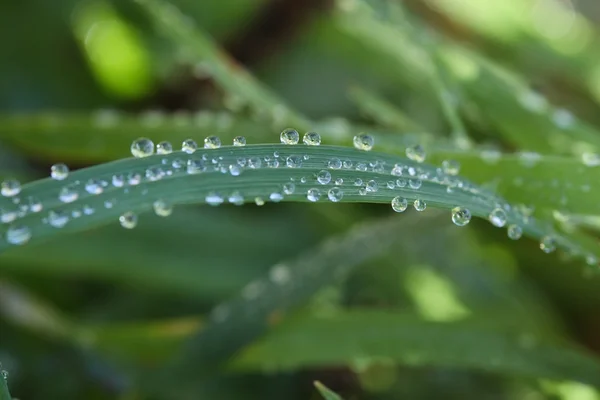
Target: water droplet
162	208
212	142
275	197
164	147
491	156
142	147
415	183
195	166
259	201
335	194
59	171
10	188
371	186
498	217
416	153
312	139
401	183
189	146
590	159
363	142
324	177
134	178
303	179
313	194
58	219
128	220
235	170
289	188
514	232
280	274
451	167
68	194
547	244
87	210
293	162
7	216
361	167
239	141
397	170
118	180
461	216
35	204
93	186
563	119
358	182
18	234
591	260
76	213
289	136
339	181
347	164
420	205
236	198
334	163
214	199
399	204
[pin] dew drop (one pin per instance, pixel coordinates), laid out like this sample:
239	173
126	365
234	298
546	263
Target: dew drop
293	162
420	205
515	232
59	171
347	164
324	177
335	194
498	217
461	216
162	208
235	170
313	194
189	146
134	178
35	204
401	183
371	186
334	163
259	201
289	136
399	204
275	197
289	188
118	180
547	244
415	183
363	142
358	182
58	219
214	199
311	139
68	194
212	142
18	234
7	216
239	141
93	186
128	220
451	167
236	198
142	147
416	153
254	162
339	181
10	188
164	147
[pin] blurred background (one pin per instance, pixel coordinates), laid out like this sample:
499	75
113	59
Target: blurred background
81	316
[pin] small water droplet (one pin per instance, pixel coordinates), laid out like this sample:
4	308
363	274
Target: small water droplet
358	182
416	153
312	139
35	204
514	232
563	119
189	146
420	205
461	216
162	208
212	142
591	260
134	178
93	186
347	164
293	162
289	136
275	197
371	186
214	199
10	188
142	147
128	220
239	141
335	194
59	171
289	188
451	167
164	147
236	198
334	163
498	217
58	219
324	177
7	216
259	201
18	234
339	181
235	170
68	194
401	183
88	210
415	183
363	142
399	204
547	244
313	194
280	274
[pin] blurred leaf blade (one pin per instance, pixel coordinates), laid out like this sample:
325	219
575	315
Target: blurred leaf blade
327	393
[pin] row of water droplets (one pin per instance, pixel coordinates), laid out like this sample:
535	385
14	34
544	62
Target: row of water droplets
403	176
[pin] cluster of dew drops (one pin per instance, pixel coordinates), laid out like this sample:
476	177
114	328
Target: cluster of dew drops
143	147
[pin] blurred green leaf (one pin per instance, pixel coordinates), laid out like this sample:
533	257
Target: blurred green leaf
326	392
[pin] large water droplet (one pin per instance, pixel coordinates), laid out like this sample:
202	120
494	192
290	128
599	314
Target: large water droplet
10	188
420	205
312	139
461	216
335	194
514	232
142	147
164	147
189	146
399	204
324	177
498	217
214	199
59	171
162	208
18	234
239	141
363	142
547	244
128	220
416	153
289	136
313	194
212	142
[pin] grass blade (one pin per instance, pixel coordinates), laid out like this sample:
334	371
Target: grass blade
327	393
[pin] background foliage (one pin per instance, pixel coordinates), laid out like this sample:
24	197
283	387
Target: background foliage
253	295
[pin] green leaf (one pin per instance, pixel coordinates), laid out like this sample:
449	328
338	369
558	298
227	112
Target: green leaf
367	336
4	393
327	393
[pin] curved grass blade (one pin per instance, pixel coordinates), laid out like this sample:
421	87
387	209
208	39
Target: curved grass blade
94	196
353	336
327	393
